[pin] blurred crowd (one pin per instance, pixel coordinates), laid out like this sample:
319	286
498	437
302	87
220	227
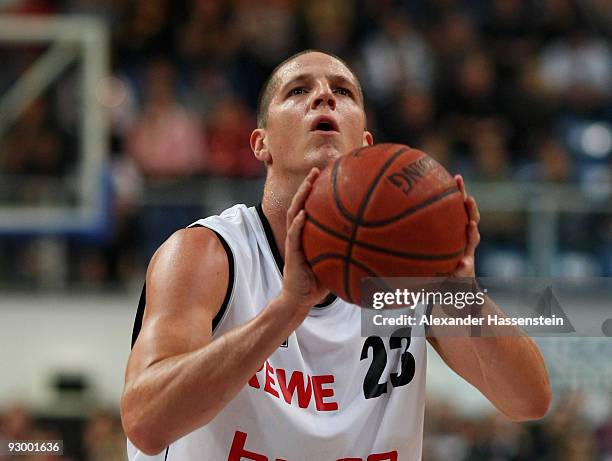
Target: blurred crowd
500	90
565	435
97	437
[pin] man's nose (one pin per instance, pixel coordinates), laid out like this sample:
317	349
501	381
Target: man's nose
324	96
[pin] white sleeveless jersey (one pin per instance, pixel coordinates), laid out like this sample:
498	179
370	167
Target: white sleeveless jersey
326	394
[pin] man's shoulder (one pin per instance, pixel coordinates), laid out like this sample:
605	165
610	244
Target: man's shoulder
234	215
192	246
237	227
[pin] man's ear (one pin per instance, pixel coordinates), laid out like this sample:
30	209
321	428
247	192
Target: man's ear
368	139
259	146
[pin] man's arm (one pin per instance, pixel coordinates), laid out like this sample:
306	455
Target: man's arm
509	370
178	378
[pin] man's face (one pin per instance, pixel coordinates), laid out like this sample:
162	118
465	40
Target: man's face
315	114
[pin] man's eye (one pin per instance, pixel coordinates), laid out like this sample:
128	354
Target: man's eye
297	91
343	91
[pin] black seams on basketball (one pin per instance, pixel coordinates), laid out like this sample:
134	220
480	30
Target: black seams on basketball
383	211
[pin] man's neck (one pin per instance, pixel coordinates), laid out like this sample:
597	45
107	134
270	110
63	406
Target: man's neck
275	203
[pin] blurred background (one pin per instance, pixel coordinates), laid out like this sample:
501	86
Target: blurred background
122	121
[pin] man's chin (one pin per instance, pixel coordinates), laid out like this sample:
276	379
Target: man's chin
324	155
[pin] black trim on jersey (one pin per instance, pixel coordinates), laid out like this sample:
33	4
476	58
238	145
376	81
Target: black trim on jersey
228	293
167	450
139	314
270	237
230	281
276	253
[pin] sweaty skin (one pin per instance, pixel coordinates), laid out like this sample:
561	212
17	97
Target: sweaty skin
171	367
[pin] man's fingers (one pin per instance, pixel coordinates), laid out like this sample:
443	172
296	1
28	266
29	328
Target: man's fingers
297	203
473	238
470	202
472	209
294	233
461	185
313	174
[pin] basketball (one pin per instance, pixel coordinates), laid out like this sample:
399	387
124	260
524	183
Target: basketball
383	211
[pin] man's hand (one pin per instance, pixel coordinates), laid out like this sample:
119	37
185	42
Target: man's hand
300	286
507	368
466	266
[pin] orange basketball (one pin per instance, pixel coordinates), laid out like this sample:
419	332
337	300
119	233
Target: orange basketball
383	211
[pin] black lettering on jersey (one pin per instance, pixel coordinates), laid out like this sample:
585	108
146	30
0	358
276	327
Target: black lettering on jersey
372	388
407	359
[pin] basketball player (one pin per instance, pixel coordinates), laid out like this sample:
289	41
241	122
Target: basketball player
242	355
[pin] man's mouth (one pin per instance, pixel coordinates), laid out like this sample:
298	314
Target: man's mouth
324	124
